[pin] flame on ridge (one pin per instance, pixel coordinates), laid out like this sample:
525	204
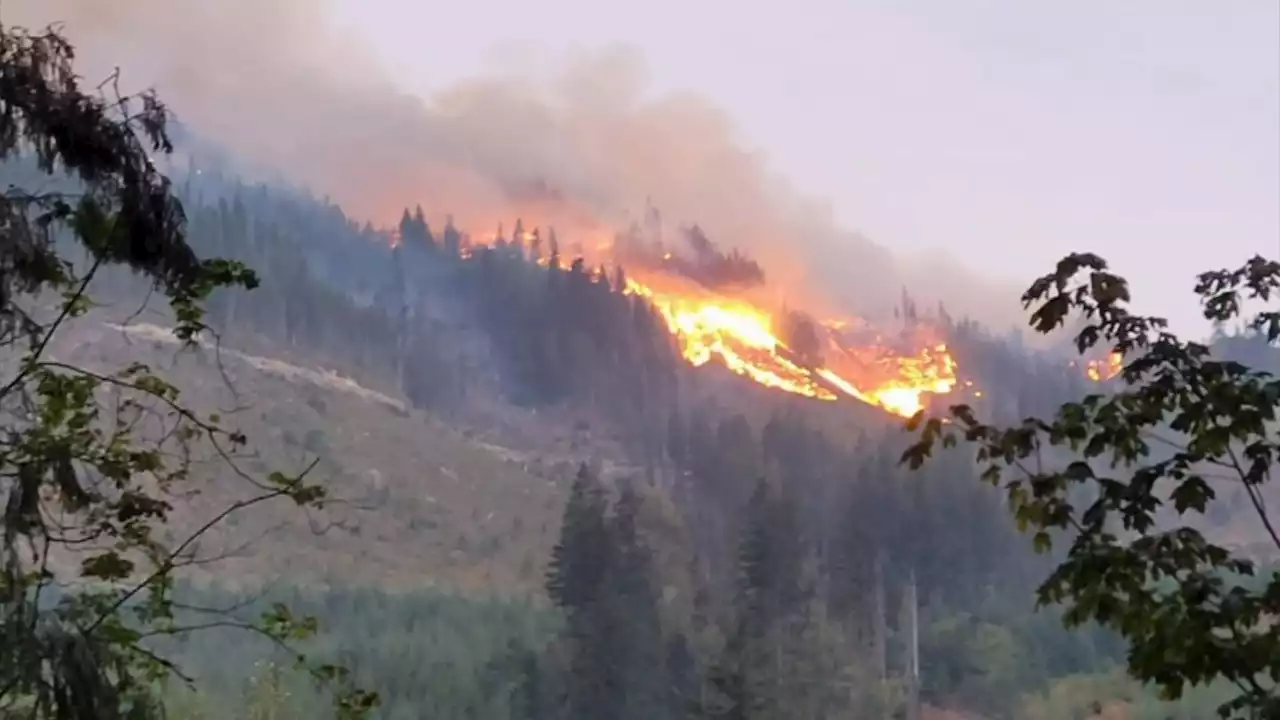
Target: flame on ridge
896	382
737	333
743	337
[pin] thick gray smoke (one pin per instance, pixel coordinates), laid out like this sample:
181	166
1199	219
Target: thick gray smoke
286	92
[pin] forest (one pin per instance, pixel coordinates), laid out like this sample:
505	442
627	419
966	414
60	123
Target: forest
753	567
723	549
754	564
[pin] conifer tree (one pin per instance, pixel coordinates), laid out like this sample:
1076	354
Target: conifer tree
406	228
422	230
636	626
452	239
575	582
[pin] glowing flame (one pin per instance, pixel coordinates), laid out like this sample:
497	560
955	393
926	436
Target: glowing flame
742	337
737	333
894	381
1103	370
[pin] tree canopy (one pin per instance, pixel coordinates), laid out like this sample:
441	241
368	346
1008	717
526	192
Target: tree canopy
1123	477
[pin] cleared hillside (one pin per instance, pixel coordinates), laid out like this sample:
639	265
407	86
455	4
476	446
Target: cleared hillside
416	502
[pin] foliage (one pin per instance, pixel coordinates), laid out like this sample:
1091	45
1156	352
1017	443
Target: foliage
1116	695
435	653
601	577
429	653
91	462
122	211
1185	428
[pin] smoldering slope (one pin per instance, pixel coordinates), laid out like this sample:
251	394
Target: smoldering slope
287	93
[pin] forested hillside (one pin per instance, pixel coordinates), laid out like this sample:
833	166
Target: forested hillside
720	548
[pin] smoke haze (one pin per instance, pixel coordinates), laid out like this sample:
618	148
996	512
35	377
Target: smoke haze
583	147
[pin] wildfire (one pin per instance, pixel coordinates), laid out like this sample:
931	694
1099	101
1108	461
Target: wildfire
710	324
743	338
1103	370
895	381
737	333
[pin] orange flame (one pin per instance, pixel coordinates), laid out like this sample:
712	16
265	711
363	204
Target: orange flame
737	333
897	382
742	336
1103	370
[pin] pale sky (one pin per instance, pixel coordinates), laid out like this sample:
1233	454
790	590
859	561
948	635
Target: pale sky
1007	131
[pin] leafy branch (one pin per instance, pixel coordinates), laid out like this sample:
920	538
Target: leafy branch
1121	476
77	480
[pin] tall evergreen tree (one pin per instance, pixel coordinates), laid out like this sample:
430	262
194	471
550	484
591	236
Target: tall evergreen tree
452	239
575	582
422	230
636	627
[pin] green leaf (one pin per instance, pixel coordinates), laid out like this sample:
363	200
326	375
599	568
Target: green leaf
107	566
1192	494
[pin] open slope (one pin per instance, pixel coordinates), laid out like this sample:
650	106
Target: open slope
417	502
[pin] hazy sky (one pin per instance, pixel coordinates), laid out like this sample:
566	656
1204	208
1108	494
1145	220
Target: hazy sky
1007	131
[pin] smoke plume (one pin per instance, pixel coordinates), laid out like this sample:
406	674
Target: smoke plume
585	148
